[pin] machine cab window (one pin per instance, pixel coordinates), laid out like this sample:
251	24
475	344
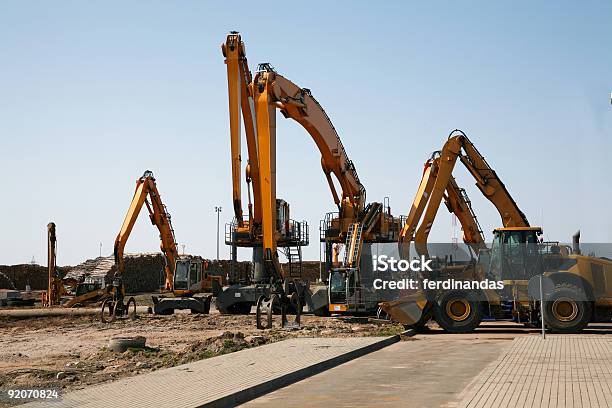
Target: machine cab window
514	253
181	276
195	275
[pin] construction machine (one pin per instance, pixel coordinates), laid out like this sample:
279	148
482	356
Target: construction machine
68	292
187	278
267	225
581	285
55	288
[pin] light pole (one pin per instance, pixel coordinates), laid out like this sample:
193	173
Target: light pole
218	211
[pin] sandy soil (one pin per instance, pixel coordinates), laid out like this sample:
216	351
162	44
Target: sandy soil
70	352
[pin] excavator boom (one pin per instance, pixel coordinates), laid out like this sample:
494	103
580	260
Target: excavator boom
299	104
458	203
439	184
147	194
455	199
241	105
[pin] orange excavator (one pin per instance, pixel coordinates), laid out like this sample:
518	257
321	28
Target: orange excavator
579	291
68	292
185	277
268	226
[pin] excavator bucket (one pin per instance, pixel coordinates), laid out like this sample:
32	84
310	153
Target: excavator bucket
409	310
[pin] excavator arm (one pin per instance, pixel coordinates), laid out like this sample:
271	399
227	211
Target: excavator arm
272	91
259	99
146	194
438	184
489	183
458	203
299	104
241	104
455	199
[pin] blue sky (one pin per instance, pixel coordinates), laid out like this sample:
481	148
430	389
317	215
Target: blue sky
94	93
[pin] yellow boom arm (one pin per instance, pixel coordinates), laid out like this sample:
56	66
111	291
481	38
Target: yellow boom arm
299	104
241	103
146	187
438	183
455	200
255	102
272	91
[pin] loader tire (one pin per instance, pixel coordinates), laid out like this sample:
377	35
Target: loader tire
567	309
458	311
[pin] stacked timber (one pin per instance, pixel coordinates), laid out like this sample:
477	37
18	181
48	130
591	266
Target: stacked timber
20	276
96	269
143	272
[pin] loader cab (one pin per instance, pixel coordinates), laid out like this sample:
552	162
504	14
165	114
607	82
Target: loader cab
514	253
188	275
86	287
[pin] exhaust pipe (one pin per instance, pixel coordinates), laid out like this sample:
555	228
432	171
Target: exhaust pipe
576	243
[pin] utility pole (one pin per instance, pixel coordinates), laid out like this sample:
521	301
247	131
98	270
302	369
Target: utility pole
100	249
218	211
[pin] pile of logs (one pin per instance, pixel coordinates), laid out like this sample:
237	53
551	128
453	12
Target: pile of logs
19	276
143	272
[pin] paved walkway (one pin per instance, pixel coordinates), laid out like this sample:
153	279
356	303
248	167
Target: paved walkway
561	371
216	381
417	373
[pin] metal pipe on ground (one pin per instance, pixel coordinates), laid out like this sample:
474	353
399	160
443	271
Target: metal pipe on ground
58	311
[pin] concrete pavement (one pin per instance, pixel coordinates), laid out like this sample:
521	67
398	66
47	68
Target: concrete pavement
419	372
561	371
497	365
224	380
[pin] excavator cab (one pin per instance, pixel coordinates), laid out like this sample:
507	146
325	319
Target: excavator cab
514	253
188	275
341	288
191	276
188	289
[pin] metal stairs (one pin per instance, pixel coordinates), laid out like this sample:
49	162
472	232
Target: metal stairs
294	260
352	253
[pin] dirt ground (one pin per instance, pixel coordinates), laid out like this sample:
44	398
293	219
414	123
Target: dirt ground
70	352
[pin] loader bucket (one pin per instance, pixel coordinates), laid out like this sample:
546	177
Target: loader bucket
408	310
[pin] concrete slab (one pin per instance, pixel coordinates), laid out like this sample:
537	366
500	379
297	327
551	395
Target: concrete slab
225	380
561	371
421	372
